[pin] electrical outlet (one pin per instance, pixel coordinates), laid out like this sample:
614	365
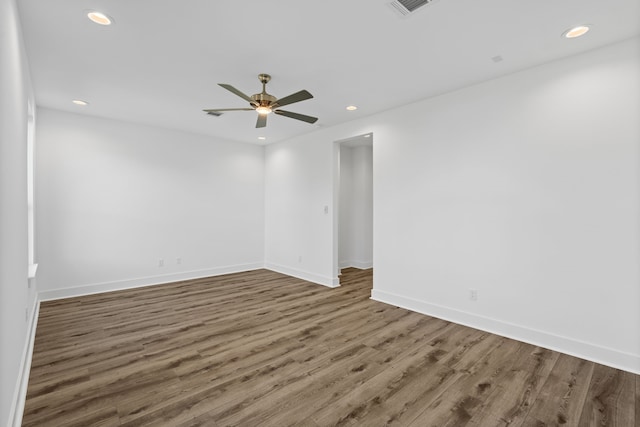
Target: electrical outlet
178	261
473	294
160	262
26	314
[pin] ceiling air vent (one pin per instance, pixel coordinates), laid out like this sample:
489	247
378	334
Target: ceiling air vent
406	7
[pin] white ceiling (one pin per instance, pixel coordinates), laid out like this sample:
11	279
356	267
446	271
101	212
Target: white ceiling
160	63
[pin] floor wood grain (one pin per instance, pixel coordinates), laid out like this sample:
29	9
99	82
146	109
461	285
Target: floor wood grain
264	349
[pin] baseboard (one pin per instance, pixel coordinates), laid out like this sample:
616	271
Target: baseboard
331	282
20	393
96	288
362	265
595	353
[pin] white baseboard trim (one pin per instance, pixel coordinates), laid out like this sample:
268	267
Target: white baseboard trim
595	353
362	265
20	392
96	288
331	282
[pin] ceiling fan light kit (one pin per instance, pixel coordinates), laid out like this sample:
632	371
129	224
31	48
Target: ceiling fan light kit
264	103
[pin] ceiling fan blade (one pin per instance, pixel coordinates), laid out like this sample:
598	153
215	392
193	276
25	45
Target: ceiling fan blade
262	121
297	116
237	92
227	109
296	97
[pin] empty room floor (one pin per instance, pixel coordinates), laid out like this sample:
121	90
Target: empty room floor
264	349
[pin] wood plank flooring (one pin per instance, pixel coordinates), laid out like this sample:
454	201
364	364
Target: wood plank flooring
264	349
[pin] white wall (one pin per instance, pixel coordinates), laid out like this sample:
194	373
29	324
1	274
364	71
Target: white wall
299	231
114	198
356	207
15	296
525	188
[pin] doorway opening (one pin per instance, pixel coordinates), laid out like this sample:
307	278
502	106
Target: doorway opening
353	196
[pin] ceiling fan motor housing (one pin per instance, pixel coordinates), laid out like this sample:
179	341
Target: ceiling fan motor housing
263	99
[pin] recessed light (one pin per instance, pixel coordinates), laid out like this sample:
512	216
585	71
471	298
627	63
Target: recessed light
262	138
352	108
578	31
80	102
368	135
99	18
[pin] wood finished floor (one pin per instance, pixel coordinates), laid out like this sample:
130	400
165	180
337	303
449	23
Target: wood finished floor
264	349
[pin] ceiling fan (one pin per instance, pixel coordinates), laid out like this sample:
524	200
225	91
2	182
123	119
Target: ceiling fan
265	103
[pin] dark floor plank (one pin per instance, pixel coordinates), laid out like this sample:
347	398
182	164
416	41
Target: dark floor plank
637	420
459	402
562	397
264	349
512	398
610	399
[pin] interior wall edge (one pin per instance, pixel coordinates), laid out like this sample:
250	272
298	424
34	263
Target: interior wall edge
567	345
331	282
20	393
96	288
